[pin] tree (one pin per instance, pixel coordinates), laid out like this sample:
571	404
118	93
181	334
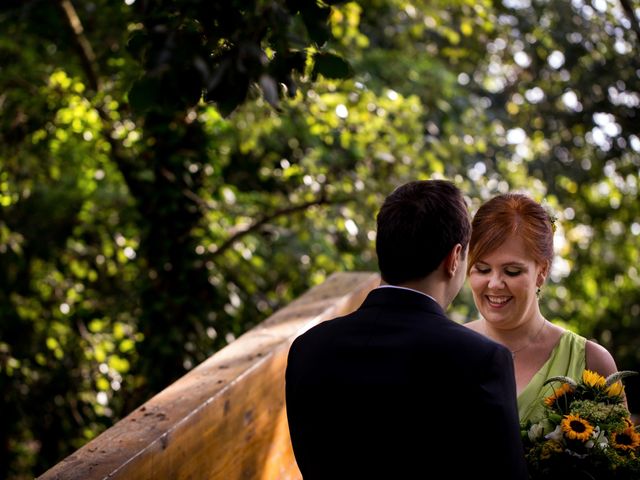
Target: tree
172	172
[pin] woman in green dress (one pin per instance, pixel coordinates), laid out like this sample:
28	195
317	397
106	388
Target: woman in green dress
510	254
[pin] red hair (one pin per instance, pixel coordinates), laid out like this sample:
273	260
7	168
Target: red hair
511	214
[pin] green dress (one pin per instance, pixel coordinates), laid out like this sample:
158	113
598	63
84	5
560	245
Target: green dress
567	358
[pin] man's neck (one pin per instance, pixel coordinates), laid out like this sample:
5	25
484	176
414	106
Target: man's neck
421	286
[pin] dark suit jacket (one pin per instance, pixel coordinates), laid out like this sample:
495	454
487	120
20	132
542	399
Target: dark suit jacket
397	390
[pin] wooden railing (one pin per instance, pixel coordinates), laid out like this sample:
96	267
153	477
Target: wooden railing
226	418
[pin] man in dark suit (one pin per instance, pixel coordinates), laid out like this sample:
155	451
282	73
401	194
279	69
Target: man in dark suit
397	390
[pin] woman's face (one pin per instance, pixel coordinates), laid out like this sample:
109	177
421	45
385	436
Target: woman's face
504	284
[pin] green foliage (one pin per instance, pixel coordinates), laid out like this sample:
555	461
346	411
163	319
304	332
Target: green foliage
194	49
182	169
330	66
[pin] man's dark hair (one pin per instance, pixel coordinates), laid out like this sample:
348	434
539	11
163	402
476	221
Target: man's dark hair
418	225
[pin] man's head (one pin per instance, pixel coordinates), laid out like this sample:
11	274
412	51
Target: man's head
418	225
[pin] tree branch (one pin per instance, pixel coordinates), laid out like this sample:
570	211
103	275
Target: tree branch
635	23
90	67
321	200
87	55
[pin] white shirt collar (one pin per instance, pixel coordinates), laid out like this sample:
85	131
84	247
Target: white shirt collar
405	288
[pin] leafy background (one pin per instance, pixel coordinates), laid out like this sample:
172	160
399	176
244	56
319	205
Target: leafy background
172	172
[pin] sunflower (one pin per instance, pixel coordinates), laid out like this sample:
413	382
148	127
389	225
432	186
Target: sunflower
564	389
626	440
593	379
615	389
576	428
586	430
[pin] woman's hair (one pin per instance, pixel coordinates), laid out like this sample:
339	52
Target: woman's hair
511	214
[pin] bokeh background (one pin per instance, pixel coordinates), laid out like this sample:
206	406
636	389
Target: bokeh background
172	172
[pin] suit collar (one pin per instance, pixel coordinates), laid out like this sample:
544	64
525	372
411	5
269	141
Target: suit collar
410	289
401	298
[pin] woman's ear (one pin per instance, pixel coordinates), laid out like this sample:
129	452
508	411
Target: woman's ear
542	274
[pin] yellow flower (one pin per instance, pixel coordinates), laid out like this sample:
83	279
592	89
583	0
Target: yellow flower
589	423
626	440
615	389
576	428
560	392
593	379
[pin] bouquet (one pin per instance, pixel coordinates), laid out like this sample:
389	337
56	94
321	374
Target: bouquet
586	432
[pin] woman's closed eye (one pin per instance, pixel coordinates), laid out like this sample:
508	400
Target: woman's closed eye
512	272
481	269
509	271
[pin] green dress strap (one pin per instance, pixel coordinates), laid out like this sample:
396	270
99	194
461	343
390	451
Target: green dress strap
567	358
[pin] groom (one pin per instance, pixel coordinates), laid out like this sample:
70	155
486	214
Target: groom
396	390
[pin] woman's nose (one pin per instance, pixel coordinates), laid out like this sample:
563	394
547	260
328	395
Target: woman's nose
496	281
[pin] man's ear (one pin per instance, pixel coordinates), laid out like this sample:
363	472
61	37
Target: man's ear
452	260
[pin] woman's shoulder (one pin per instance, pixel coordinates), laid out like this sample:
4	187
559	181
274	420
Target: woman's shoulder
599	359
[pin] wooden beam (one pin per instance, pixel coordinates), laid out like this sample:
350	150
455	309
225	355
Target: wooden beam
226	418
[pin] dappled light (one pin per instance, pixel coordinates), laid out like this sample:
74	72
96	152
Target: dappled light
168	179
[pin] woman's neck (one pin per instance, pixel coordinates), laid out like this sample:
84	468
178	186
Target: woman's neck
519	338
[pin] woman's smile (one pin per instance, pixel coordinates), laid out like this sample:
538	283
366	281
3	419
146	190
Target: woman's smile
497	301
